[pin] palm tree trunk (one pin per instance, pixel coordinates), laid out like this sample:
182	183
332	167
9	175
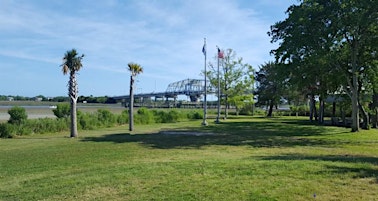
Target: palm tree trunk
131	104
73	119
73	98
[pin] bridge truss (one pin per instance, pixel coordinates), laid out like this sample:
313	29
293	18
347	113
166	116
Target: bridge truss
194	88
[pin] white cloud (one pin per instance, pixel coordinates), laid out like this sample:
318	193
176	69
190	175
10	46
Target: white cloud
165	37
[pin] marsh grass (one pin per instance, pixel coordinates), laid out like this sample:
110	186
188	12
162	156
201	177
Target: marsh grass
239	159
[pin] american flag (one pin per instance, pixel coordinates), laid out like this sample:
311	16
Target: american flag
220	54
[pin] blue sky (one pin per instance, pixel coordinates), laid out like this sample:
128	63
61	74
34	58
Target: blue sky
164	36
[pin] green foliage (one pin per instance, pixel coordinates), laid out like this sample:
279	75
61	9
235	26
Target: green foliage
17	115
105	118
171	116
62	110
123	118
300	110
47	125
330	47
86	121
247	109
194	114
5	131
100	119
236	77
144	116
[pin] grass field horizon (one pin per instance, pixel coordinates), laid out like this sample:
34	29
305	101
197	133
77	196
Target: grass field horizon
246	158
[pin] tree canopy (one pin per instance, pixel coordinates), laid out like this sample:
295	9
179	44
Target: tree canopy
330	46
236	79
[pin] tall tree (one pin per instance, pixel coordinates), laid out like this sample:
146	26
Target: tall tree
340	32
72	64
236	80
270	86
135	69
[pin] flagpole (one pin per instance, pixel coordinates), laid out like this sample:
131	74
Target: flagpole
204	123
218	107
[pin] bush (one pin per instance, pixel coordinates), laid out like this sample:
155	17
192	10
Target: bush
247	109
17	115
194	114
86	121
47	125
90	121
5	131
105	118
62	110
144	116
171	116
123	118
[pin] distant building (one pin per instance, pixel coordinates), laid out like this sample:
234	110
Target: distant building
10	98
38	98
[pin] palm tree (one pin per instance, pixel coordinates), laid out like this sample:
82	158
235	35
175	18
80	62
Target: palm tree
135	69
72	64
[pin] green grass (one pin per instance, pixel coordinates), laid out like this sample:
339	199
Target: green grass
239	159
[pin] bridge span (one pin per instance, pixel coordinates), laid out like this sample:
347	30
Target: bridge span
194	88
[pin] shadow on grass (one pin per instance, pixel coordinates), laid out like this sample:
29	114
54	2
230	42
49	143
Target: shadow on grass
271	133
367	171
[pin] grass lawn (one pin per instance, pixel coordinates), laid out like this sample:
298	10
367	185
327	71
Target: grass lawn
239	159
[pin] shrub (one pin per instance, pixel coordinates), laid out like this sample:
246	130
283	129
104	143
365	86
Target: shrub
17	115
47	125
144	116
247	109
123	118
5	131
86	121
20	129
105	118
62	110
171	116
194	114
90	121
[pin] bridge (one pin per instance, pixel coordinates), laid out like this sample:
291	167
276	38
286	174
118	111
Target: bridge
193	88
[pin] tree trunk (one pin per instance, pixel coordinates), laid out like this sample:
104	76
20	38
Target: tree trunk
374	108
365	115
131	104
374	118
72	93
343	117
333	118
313	112
226	107
270	112
354	87
311	108
321	110
73	119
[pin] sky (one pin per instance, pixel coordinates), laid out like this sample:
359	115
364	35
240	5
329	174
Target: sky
164	36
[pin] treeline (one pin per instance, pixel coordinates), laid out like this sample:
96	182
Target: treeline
86	99
19	124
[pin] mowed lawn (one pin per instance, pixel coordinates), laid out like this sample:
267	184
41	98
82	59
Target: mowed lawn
239	159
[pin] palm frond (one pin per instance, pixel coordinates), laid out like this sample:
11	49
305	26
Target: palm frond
135	68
